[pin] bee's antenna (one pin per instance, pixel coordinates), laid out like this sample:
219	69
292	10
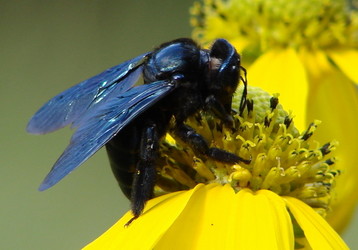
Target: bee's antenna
244	92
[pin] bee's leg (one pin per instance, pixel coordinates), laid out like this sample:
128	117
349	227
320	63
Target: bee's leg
145	174
199	145
223	113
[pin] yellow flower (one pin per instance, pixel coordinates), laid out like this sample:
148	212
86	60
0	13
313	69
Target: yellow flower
308	52
275	201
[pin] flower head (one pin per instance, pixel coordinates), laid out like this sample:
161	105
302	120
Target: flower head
261	25
308	52
274	201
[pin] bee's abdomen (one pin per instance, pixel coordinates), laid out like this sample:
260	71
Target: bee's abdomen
122	152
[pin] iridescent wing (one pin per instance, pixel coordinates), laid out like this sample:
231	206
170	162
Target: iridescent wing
69	106
100	125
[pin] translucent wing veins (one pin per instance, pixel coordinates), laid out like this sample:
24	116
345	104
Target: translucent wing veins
97	128
70	105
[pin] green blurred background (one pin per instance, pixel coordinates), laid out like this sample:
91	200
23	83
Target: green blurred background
46	47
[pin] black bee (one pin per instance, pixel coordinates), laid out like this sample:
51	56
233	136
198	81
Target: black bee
109	109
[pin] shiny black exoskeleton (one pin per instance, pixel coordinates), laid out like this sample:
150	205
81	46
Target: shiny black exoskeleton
179	80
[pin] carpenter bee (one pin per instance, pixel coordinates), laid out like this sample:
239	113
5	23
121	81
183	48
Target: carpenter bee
110	109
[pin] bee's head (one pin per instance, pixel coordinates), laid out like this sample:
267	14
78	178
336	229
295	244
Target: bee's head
224	67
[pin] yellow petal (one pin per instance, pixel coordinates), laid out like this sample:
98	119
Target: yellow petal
209	217
203	223
158	216
318	232
226	220
347	61
333	100
281	71
263	221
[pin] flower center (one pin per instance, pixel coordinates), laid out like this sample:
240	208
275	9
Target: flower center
260	24
282	160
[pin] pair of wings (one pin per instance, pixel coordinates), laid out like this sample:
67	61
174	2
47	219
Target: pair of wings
98	108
